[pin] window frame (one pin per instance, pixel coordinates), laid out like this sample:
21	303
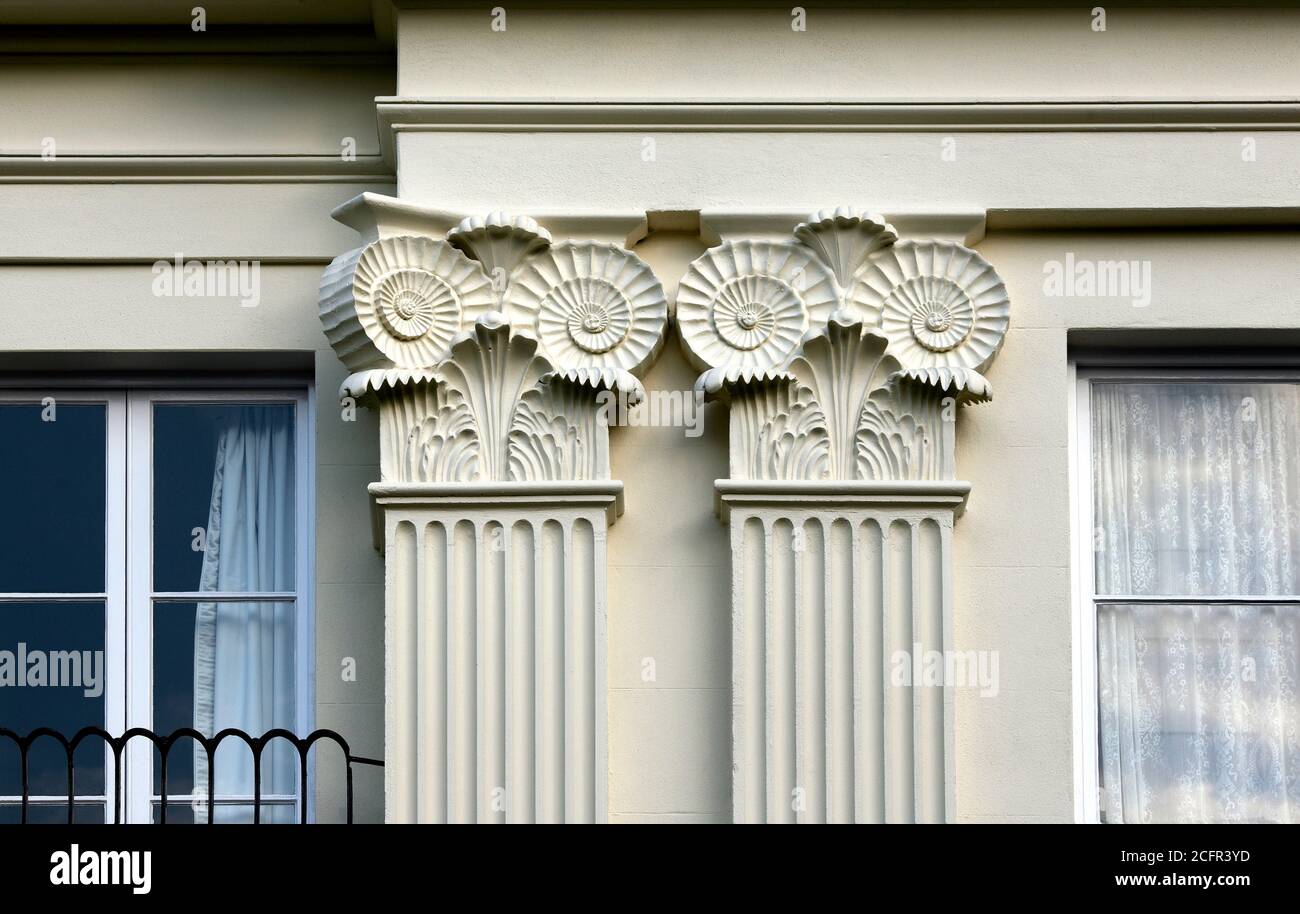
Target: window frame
1084	599
114	594
129	597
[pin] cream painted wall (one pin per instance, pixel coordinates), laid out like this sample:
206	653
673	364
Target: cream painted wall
670	602
220	105
689	51
74	275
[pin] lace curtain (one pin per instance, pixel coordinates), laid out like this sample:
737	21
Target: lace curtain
244	651
1196	490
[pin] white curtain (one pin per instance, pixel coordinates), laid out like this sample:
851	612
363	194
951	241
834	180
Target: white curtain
1196	489
244	651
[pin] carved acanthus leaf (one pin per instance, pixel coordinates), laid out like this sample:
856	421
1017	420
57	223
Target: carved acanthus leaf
843	365
495	411
966	385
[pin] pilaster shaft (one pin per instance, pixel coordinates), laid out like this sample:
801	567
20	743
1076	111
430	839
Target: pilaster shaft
495	653
832	592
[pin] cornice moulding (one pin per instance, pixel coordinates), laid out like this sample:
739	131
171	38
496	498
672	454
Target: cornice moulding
165	169
398	113
372	215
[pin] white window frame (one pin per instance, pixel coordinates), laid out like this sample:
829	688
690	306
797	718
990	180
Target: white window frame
128	572
1087	801
114	594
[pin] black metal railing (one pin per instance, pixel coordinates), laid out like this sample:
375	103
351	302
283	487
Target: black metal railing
163	744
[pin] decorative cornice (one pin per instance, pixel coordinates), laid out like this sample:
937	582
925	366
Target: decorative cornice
844	351
179	169
444	115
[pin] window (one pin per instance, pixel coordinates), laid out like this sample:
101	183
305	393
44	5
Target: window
154	572
1188	616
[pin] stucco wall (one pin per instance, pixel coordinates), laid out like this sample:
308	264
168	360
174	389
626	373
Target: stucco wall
75	250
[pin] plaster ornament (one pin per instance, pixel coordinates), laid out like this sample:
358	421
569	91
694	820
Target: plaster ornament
842	365
844	409
965	384
748	304
494	411
400	301
844	237
590	304
500	242
939	303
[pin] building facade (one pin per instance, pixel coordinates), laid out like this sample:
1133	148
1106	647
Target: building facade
680	413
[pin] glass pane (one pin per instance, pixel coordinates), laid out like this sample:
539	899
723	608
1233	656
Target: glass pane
1199	719
52	471
220	665
51	675
1196	488
54	814
188	813
223	498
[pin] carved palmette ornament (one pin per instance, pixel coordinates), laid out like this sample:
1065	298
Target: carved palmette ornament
938	303
748	304
500	242
590	305
400	301
844	237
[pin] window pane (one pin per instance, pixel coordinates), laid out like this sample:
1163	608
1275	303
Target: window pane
55	814
1198	713
188	813
220	665
52	472
1196	488
51	675
223	497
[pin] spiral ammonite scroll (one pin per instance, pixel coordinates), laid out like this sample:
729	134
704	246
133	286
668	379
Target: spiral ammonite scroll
939	303
748	304
590	304
414	294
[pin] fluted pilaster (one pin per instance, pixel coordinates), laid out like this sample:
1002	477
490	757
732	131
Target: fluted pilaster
495	653
844	354
826	599
492	356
